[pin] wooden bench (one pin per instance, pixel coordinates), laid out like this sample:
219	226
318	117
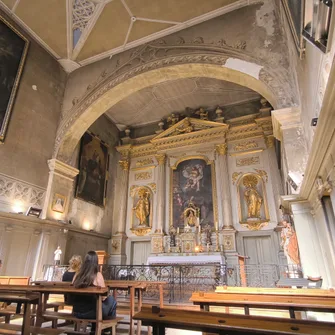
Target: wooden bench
25	298
42	315
291	303
229	324
14	280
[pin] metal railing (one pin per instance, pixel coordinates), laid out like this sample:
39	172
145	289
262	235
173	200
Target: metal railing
182	280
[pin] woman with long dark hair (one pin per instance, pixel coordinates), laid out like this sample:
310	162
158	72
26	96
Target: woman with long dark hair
84	306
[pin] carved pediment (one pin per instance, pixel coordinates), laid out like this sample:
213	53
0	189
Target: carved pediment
189	131
189	125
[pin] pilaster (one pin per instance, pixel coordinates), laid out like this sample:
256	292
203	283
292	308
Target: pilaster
288	129
118	249
161	159
61	182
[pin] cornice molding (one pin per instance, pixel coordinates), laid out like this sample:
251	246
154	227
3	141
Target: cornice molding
58	167
285	118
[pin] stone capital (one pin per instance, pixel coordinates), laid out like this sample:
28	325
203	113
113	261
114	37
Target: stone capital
62	169
221	149
161	158
124	164
284	119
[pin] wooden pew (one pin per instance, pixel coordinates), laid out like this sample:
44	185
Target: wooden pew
42	315
14	280
27	299
276	291
290	303
229	324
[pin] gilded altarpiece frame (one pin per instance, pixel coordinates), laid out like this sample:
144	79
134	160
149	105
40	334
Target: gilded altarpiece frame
257	184
139	195
192	179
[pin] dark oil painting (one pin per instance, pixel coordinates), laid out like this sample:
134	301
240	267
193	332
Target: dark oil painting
93	169
192	182
13	50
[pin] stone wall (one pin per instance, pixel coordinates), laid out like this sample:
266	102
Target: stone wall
31	132
84	214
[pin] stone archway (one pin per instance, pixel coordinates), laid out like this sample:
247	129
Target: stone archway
111	91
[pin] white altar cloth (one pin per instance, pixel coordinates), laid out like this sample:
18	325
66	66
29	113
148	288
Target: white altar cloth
214	258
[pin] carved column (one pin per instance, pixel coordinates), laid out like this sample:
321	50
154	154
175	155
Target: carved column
61	181
309	245
161	159
118	241
288	129
223	185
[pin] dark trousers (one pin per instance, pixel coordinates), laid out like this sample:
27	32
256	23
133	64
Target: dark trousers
108	311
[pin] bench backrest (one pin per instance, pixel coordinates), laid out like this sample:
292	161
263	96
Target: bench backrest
14	280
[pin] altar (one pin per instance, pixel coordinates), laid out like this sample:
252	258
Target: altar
215	258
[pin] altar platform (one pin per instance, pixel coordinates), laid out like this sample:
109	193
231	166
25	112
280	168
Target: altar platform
187	258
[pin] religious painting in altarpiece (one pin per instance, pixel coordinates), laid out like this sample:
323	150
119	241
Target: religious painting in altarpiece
13	50
192	184
93	170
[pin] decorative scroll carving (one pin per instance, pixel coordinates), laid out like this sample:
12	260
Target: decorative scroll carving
235	176
228	242
263	174
153	187
270	141
221	149
245	146
13	191
247	161
145	161
143	175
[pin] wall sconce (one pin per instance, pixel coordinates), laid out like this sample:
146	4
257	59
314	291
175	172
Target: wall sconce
317	23
18	207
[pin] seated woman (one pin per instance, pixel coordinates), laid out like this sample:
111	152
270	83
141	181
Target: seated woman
84	306
75	264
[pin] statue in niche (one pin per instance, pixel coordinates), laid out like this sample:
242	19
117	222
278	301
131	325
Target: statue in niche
142	207
191	216
172	233
290	243
202	113
172	119
252	197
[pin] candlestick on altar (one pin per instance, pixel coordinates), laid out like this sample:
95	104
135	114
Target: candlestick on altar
207	247
178	231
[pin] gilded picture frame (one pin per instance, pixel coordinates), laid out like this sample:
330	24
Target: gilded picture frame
93	170
13	52
213	190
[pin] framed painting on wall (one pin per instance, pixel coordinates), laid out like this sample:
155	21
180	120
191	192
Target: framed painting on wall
93	170
193	184
13	51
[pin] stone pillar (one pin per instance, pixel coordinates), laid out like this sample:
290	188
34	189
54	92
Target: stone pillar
309	245
158	228
288	129
118	241
121	200
41	255
277	185
223	185
61	182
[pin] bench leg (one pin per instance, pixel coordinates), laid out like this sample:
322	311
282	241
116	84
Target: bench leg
292	314
7	318
158	330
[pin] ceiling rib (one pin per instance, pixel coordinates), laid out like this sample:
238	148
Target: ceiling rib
158	21
28	30
15	5
90	25
128	32
69	33
127	8
170	30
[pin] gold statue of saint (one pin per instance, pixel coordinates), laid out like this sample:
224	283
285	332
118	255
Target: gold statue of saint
185	128
142	207
202	113
252	197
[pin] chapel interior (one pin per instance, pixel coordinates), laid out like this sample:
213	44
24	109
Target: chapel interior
190	142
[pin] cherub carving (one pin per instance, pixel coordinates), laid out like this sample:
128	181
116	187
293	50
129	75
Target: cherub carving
202	113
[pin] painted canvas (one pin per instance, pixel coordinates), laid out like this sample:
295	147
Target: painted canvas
192	183
13	50
93	170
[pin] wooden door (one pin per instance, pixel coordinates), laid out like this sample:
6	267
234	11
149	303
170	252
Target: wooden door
261	265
